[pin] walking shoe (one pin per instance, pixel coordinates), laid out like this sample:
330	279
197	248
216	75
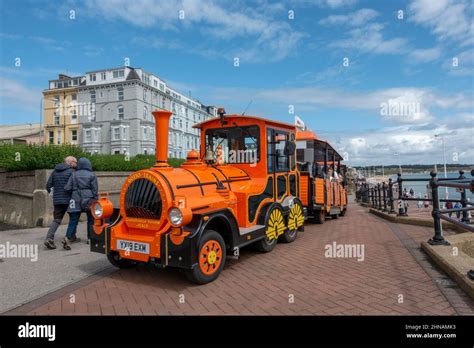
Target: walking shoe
74	239
50	244
66	243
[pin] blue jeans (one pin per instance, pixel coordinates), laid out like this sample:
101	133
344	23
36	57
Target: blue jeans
74	220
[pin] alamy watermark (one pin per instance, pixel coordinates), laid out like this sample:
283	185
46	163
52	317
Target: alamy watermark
26	251
399	108
335	250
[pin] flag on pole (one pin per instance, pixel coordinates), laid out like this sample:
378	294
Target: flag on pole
299	123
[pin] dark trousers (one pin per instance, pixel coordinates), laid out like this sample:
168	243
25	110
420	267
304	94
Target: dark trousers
58	215
74	220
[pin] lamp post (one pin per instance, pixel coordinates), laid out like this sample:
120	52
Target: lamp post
399	163
441	136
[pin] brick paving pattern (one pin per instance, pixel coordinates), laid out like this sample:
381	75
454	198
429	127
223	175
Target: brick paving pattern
295	279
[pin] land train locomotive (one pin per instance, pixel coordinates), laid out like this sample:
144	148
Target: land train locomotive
244	186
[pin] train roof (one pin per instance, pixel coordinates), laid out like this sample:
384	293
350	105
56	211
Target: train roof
311	136
245	117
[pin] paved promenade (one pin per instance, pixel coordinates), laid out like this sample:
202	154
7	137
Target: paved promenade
393	277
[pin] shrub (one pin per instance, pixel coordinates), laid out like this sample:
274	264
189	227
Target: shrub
30	157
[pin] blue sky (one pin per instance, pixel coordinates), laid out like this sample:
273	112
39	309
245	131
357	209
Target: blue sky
282	61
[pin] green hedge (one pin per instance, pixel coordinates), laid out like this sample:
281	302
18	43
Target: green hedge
30	157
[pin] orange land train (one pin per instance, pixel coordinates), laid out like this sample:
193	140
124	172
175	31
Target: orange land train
256	182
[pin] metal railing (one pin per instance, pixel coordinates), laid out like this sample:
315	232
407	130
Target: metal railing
380	196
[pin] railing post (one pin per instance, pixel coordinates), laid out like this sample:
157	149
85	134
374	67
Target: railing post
384	192
379	188
372	196
465	216
390	195
401	207
438	238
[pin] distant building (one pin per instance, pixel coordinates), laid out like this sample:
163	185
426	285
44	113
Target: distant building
30	133
60	108
114	112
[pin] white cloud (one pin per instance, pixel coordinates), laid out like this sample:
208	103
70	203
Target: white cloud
425	55
264	39
447	19
15	93
369	38
414	144
354	19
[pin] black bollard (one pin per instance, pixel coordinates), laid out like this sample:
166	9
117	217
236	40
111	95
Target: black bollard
438	238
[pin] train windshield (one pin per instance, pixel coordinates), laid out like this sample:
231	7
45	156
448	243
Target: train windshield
234	144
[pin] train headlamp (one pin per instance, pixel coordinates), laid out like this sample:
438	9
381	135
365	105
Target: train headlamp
103	207
175	216
98	211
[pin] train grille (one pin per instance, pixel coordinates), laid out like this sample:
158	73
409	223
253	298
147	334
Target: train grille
143	200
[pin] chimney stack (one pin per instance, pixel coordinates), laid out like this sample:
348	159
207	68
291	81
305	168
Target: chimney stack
162	118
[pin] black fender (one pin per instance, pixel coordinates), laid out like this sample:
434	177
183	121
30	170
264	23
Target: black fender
186	255
225	218
263	215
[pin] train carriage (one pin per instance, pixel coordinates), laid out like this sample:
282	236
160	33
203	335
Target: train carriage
322	177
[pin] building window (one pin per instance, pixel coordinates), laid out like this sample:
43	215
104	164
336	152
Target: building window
120	93
74	135
145	112
116	133
118	73
59	137
144	94
88	136
116	152
92	77
120	112
56	101
56	119
74	115
145	133
51	137
103	76
93	97
74	97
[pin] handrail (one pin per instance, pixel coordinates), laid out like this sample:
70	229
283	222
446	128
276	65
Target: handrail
377	195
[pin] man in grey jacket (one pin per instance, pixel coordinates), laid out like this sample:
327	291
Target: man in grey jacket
84	191
55	185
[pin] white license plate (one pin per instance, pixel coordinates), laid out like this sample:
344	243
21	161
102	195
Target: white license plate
136	247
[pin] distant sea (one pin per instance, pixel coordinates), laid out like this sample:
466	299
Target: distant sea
420	186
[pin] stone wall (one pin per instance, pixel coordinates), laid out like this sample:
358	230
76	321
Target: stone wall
25	202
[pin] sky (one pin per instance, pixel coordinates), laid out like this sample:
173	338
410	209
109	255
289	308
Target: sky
377	79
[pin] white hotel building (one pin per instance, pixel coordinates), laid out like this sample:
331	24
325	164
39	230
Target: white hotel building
122	100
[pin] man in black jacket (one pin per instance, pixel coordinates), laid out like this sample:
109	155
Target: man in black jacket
56	182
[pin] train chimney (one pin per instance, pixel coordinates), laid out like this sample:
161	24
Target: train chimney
162	118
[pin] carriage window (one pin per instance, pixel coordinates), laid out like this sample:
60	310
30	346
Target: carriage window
234	144
280	150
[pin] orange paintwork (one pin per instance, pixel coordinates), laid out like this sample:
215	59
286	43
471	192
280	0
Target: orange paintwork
250	179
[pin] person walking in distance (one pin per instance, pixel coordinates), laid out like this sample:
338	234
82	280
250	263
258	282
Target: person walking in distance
84	191
55	186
